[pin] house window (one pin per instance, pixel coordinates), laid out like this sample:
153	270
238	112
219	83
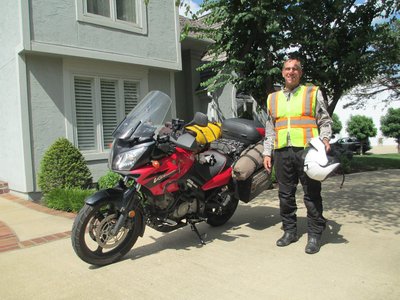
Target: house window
100	104
123	14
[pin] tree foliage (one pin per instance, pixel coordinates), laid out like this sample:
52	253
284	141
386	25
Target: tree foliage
336	125
390	125
361	127
388	47
337	41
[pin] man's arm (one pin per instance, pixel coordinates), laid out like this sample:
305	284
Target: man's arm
269	143
324	121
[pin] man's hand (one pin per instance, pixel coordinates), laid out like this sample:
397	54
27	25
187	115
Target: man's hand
327	145
267	163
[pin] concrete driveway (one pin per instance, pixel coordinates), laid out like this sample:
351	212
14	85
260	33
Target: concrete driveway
360	257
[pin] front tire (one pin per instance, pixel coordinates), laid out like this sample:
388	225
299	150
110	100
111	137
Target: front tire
91	237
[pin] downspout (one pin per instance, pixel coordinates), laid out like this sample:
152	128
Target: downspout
23	96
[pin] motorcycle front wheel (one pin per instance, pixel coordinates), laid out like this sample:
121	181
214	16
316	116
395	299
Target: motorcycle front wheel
91	234
221	216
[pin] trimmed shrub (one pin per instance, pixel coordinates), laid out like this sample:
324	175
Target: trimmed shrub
71	200
109	180
63	166
344	157
345	163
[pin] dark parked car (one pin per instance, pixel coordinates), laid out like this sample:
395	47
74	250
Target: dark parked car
352	144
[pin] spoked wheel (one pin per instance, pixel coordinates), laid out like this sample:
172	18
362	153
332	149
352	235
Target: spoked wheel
91	235
222	214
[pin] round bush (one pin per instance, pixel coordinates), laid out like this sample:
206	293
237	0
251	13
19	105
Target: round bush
109	180
63	166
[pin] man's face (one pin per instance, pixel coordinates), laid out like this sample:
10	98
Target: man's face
292	73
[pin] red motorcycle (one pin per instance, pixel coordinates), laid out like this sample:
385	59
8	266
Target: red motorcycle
169	181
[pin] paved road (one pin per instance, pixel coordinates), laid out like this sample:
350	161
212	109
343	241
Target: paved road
360	258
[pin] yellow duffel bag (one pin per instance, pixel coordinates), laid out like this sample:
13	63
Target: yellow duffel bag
207	134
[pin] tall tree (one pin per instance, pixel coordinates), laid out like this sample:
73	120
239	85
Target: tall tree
388	82
362	128
337	40
390	125
336	125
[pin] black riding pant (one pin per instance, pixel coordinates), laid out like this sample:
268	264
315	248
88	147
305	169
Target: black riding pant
288	163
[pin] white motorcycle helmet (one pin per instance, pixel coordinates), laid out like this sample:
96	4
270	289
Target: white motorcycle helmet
317	164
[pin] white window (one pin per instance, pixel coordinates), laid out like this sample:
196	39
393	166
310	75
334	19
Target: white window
127	15
100	104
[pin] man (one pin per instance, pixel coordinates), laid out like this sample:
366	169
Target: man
296	114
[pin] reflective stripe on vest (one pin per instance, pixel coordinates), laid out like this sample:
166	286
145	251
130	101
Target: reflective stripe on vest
296	117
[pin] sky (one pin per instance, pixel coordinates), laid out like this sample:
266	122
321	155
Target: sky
194	4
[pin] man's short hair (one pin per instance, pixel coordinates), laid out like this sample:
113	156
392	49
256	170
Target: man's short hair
294	58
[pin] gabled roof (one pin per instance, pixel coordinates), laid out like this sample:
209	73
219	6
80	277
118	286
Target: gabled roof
183	21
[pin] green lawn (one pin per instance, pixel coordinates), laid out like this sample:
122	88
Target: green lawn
373	162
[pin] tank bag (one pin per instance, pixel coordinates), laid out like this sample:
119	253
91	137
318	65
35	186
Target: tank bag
250	160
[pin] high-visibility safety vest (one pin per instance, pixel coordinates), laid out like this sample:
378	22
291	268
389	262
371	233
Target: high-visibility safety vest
295	117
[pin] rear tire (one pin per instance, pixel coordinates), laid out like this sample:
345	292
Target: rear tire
220	218
91	238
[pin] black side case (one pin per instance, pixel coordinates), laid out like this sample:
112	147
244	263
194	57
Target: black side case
242	130
250	188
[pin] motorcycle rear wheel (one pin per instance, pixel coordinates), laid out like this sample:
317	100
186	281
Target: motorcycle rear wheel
218	219
91	237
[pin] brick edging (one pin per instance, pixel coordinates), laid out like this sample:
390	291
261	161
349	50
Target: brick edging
39	207
4	187
9	240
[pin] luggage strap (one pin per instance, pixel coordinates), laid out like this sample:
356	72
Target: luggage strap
249	156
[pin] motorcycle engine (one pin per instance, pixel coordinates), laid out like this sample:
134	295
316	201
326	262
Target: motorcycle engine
181	204
185	207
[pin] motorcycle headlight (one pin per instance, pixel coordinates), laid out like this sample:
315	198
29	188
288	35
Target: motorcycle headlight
126	160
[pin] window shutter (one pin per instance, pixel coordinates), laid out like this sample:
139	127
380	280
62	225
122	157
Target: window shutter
131	95
108	89
85	122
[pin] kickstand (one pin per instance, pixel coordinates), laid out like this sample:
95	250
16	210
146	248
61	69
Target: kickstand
194	228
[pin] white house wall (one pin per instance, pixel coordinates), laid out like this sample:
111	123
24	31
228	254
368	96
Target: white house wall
53	28
12	155
43	47
47	121
164	81
50	84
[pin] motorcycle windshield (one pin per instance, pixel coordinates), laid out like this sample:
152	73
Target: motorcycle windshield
146	118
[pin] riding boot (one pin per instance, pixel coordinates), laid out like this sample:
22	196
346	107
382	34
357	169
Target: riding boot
313	244
287	239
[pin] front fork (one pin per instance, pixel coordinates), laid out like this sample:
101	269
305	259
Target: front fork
129	207
126	201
